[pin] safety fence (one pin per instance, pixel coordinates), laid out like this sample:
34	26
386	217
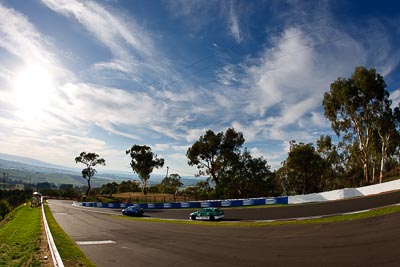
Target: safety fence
57	261
195	204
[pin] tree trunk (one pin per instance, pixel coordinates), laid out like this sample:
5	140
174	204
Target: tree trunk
373	171
88	190
382	164
366	171
383	151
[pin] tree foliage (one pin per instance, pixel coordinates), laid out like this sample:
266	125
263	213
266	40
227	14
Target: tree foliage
213	153
304	167
333	168
143	162
233	173
109	188
387	129
4	208
90	160
171	184
353	105
128	186
247	177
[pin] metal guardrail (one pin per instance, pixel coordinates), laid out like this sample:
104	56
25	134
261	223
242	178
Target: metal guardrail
53	249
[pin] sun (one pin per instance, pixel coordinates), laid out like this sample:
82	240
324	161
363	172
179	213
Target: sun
33	87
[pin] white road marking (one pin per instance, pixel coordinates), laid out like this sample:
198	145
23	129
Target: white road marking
95	242
90	209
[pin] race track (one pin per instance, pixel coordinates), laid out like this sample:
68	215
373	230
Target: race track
366	242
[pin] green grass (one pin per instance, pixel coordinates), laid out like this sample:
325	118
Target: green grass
20	235
328	219
69	251
20	239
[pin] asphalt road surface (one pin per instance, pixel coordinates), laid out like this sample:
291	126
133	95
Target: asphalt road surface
116	241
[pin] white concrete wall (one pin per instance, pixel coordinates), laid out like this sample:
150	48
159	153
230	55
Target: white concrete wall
345	193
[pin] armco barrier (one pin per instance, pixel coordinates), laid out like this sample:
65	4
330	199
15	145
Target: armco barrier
195	204
57	261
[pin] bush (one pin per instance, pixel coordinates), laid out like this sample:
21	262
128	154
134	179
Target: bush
4	208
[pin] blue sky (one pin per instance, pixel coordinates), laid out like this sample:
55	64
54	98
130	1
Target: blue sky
100	76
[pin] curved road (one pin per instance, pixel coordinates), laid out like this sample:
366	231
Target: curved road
292	211
366	242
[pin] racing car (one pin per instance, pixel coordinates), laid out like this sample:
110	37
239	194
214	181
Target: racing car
207	214
133	211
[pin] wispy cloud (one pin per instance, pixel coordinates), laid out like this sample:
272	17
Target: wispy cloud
131	46
272	94
19	37
284	92
234	24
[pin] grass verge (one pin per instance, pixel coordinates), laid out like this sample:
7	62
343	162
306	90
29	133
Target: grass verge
20	235
328	219
70	253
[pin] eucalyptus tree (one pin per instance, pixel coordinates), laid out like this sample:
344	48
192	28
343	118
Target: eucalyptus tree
332	161
304	168
170	184
128	186
213	153
247	177
90	160
352	106
109	188
388	123
143	161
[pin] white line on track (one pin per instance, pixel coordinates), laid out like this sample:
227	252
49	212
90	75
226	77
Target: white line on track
90	209
95	242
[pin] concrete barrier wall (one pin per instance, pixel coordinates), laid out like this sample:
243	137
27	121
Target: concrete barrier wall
345	193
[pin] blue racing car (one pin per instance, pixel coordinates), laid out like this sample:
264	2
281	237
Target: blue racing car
133	211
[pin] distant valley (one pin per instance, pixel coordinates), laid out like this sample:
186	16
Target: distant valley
30	171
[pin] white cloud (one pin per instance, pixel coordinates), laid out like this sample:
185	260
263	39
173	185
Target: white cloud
234	26
227	74
131	46
395	97
194	134
107	106
275	94
19	37
286	90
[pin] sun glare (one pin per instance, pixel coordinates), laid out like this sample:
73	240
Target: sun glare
32	89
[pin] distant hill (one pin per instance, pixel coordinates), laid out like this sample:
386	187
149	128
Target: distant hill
34	162
33	171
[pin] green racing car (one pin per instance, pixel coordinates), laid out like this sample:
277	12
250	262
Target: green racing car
207	214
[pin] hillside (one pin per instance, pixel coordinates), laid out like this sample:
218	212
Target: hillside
30	171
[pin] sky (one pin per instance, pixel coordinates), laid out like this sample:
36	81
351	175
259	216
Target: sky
101	76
